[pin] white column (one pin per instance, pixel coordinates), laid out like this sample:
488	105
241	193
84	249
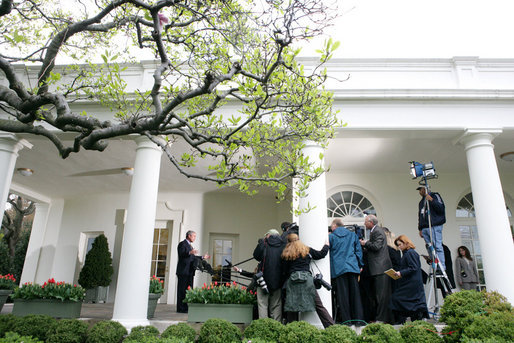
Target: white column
313	226
9	147
491	216
130	304
37	235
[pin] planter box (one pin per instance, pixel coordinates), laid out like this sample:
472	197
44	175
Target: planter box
152	304
96	295
4	294
234	313
51	307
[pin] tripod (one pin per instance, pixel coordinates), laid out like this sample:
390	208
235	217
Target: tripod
437	271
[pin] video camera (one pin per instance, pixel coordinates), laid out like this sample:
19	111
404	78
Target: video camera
318	282
359	230
425	170
259	279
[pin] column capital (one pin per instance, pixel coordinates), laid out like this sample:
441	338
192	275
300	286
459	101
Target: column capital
144	142
11	143
477	137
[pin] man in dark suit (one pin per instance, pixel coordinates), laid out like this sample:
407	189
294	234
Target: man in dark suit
186	266
379	262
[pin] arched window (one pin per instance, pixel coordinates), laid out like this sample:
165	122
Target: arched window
349	205
469	233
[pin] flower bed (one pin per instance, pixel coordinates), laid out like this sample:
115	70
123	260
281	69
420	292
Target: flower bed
49	290
226	293
7	282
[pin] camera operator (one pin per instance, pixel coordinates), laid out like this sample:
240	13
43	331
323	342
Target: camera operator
288	228
437	219
345	266
268	276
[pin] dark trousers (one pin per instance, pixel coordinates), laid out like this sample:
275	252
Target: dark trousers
349	298
184	281
382	293
324	316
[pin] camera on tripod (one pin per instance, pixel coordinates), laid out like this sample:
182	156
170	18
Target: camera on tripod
259	279
318	282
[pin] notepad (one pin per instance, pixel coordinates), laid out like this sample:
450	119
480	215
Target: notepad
391	272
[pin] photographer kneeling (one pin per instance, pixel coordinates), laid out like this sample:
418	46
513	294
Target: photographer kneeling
268	276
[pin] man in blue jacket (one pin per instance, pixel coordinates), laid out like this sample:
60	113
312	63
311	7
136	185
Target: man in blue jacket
435	203
345	266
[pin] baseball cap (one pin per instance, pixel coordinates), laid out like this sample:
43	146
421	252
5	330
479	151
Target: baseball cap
420	187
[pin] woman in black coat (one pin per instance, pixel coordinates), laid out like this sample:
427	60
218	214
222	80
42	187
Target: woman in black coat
408	299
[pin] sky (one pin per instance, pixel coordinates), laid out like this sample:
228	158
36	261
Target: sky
423	29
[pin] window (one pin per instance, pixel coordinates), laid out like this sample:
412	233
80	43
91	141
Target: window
349	204
159	253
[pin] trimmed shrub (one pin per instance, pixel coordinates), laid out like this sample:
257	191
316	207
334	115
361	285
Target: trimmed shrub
7	322
216	330
300	332
140	332
338	334
180	330
420	332
97	268
35	325
380	333
68	331
459	309
266	329
106	331
495	302
256	340
497	326
153	339
13	337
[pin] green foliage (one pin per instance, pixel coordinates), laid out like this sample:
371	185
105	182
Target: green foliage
5	258
68	331
97	270
256	340
35	325
498	326
49	290
495	302
7	323
106	331
300	332
460	308
180	330
7	282
420	331
20	252
156	285
380	333
153	339
229	293
338	334
216	330
266	329
139	332
13	337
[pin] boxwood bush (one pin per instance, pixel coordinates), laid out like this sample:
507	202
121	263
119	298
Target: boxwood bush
339	334
35	325
106	331
7	322
154	339
380	333
13	337
139	332
180	330
300	332
266	329
420	331
498	326
68	331
216	330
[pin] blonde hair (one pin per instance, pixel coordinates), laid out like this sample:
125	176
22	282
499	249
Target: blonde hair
294	248
390	236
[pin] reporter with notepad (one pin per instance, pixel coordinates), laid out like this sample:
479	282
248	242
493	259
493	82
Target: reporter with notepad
408	299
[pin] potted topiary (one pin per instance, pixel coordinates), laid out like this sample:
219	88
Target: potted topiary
7	284
96	273
154	293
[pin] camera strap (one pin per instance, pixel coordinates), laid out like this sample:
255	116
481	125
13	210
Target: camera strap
312	260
